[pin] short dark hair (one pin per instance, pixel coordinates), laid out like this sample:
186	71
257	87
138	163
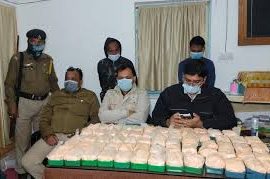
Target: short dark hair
108	41
124	65
196	67
197	40
78	70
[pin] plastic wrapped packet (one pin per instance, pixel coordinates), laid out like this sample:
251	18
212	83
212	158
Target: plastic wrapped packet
214	133
172	141
252	139
156	148
259	147
56	156
139	159
227	155
234	168
156	162
223	139
207	151
242	148
73	157
209	144
215	164
204	137
193	163
189	148
200	131
255	169
262	156
237	139
89	156
126	147
144	139
229	133
174	161
225	147
122	159
105	158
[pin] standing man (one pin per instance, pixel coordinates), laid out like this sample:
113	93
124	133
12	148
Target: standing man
107	66
197	47
30	79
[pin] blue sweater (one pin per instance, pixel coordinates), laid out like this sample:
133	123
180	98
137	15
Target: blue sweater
211	77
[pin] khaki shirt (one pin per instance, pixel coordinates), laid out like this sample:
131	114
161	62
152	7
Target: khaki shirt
65	112
115	107
38	76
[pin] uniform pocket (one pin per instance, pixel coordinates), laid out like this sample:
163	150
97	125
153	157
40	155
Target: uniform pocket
81	107
29	74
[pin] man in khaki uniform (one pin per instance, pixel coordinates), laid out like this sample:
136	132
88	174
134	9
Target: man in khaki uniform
67	110
37	80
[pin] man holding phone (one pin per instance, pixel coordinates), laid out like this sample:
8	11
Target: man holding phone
192	103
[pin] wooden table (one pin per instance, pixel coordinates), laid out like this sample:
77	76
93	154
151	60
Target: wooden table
95	173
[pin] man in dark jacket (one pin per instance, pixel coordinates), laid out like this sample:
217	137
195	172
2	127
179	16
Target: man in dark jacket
107	66
193	103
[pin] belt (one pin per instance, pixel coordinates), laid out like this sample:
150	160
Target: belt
32	96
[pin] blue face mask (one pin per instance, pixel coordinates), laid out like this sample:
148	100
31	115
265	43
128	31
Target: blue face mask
36	50
125	84
196	55
189	89
71	86
114	57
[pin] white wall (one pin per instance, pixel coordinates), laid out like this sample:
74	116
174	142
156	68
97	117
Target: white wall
77	30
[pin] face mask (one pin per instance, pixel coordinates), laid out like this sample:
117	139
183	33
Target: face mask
125	84
196	55
36	50
71	86
114	57
189	89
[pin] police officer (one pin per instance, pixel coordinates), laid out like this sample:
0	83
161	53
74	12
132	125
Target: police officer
37	79
68	109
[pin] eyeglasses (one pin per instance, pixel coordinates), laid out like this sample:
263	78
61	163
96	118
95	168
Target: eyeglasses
193	82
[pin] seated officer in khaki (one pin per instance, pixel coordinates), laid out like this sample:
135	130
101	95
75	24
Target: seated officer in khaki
38	78
67	110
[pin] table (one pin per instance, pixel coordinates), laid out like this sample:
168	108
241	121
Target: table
96	173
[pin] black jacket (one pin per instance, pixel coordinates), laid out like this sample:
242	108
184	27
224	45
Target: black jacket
211	105
107	73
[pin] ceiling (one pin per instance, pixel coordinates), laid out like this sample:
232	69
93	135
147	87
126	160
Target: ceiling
18	2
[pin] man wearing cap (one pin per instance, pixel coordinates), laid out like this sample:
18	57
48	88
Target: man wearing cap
27	89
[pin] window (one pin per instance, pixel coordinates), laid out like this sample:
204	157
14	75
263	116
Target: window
163	32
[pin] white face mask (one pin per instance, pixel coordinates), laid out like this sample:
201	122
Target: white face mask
114	57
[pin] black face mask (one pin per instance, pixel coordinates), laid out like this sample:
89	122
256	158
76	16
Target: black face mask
35	50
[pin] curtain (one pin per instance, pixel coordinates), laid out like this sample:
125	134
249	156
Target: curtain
8	44
163	41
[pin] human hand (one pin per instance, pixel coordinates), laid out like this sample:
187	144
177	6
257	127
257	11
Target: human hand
51	140
174	120
195	122
13	111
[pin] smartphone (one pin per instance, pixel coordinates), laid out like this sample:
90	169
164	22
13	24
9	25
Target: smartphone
186	116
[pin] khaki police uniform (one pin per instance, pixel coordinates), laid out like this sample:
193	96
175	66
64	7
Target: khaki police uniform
38	79
64	113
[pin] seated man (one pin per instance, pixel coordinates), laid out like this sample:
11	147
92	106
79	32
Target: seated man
208	106
125	103
197	47
67	110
